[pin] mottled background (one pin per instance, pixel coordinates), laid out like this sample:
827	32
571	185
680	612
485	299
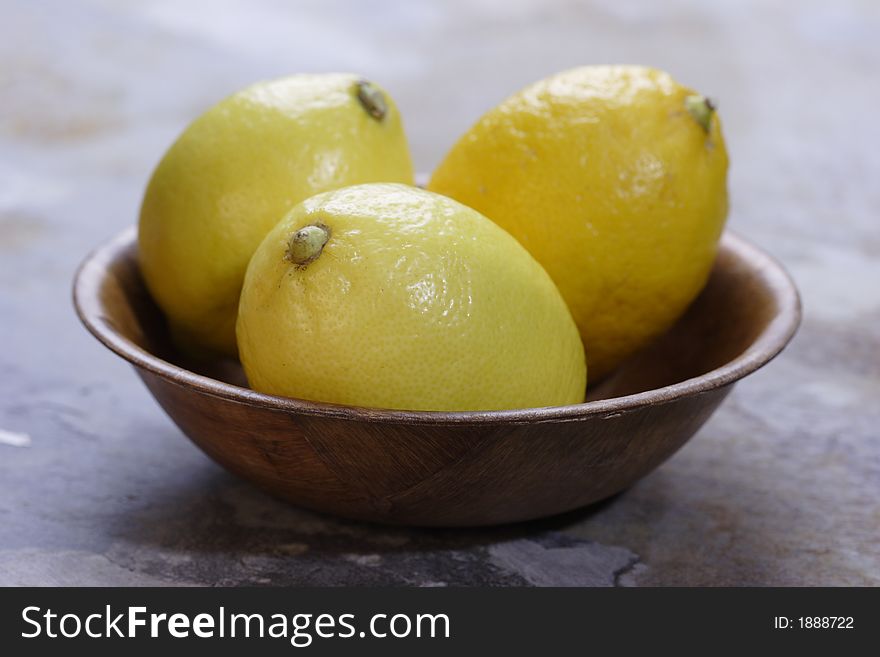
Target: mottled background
97	486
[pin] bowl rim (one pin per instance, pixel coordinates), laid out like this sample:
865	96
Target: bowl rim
769	343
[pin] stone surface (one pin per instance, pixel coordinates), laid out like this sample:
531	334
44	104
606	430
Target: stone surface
782	486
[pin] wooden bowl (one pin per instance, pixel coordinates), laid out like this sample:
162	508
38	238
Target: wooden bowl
454	469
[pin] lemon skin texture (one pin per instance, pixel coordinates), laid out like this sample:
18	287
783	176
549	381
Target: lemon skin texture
608	180
415	302
235	171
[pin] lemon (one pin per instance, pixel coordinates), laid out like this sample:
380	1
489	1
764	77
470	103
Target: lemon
389	296
236	170
614	178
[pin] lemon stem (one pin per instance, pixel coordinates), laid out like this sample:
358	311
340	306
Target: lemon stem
372	99
307	244
701	108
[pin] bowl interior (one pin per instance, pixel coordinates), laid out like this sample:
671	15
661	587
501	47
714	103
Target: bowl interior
745	315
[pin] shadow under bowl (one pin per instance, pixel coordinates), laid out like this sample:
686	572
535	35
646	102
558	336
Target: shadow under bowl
454	469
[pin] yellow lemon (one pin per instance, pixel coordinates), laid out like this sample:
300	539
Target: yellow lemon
390	296
236	170
614	178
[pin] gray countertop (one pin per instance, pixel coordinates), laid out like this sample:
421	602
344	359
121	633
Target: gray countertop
782	485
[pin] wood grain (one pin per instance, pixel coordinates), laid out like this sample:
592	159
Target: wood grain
454	469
